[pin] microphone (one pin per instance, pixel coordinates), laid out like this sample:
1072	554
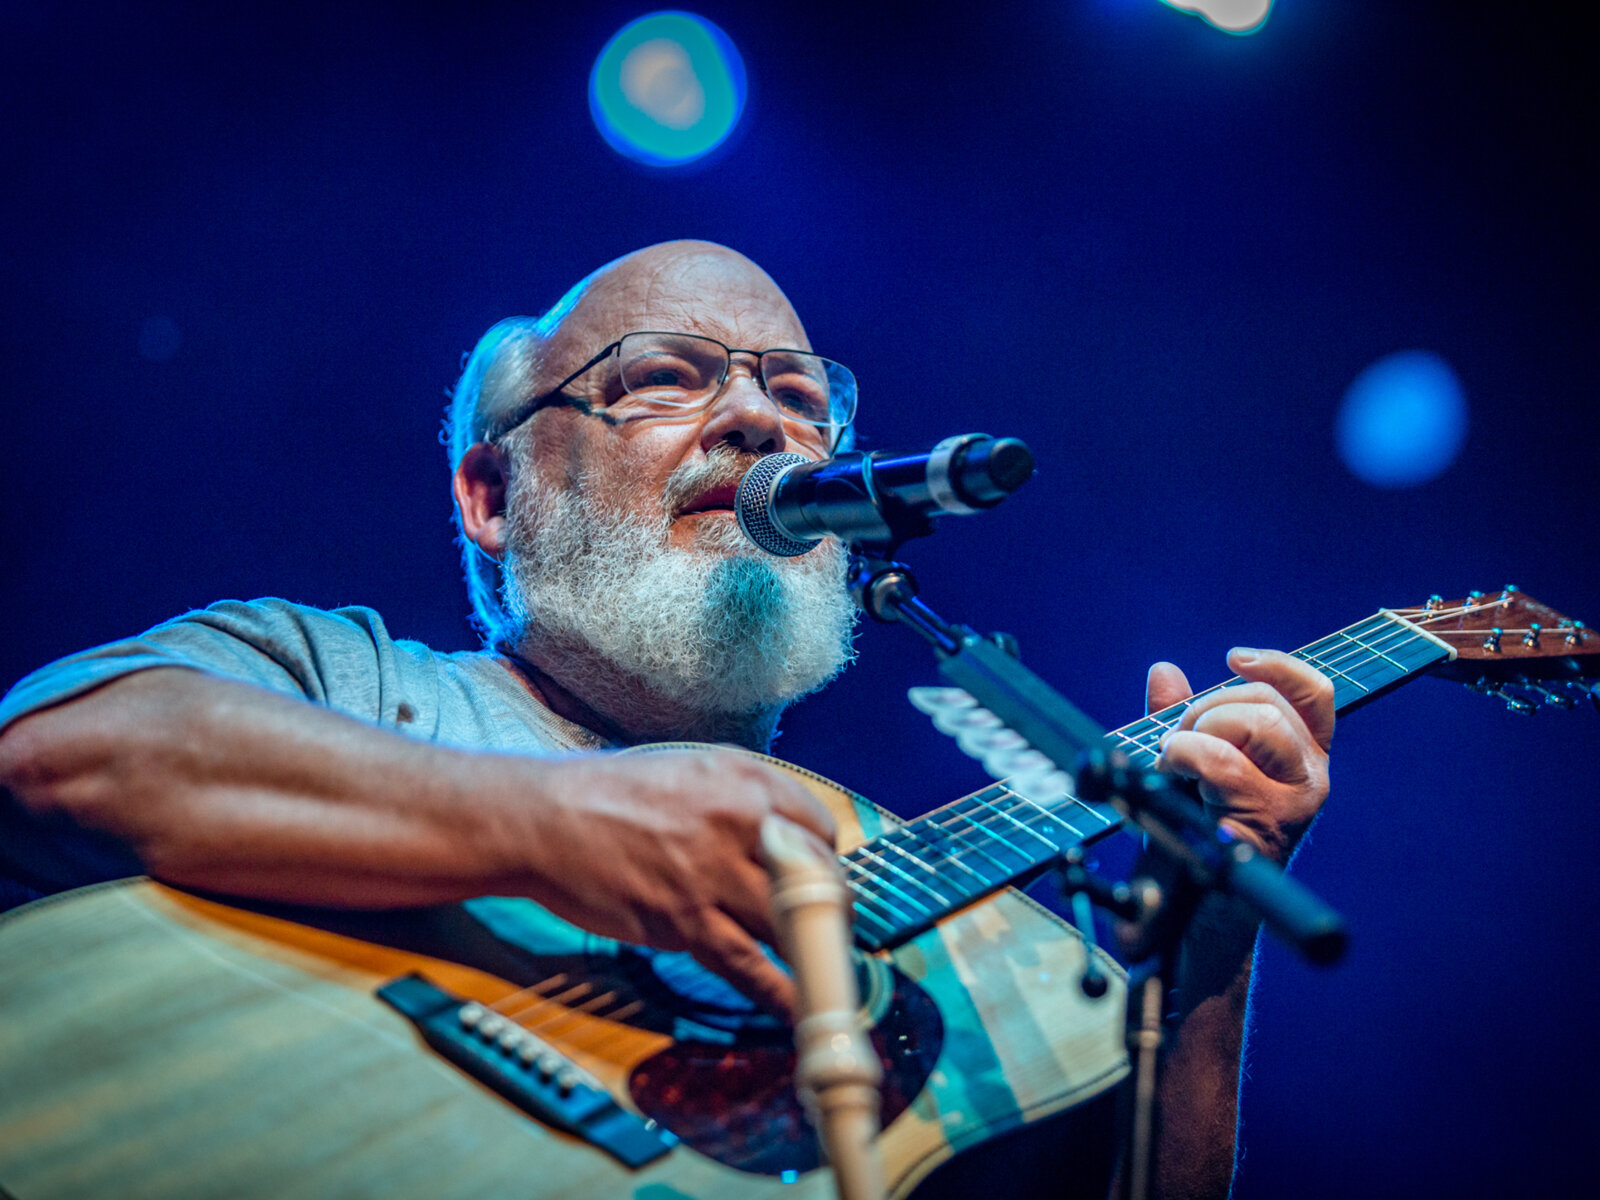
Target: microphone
787	503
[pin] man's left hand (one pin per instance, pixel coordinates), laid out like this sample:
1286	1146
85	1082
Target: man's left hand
1258	748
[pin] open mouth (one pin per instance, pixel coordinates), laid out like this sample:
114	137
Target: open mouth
717	499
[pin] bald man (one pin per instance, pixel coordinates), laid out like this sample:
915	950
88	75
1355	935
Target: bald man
596	451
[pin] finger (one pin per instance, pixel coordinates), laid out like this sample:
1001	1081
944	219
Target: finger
1272	738
724	947
793	800
1307	689
1165	686
744	895
1238	693
1219	765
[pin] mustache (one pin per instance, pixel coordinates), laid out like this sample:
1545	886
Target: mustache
723	466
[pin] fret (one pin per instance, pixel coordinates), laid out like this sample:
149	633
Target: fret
879	880
869	888
953	891
905	831
979	834
1372	650
865	917
960	824
896	917
1052	817
1139	751
993	837
1329	669
1052	848
951	831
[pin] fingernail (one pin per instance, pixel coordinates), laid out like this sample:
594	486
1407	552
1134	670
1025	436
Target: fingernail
1244	654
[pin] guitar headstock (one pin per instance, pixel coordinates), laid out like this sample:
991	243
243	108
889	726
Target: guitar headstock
1509	645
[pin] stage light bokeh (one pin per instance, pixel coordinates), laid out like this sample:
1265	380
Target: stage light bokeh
1403	420
667	89
1230	16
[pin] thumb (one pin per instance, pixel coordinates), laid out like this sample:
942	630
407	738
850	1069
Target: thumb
1165	687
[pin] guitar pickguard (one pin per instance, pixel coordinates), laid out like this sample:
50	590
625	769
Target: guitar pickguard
737	1103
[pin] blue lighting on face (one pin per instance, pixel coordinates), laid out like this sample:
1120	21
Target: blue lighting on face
1403	420
667	89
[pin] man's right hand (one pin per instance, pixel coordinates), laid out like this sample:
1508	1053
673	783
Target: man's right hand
664	849
222	785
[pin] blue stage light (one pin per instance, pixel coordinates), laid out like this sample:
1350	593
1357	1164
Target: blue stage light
1230	16
667	89
1403	420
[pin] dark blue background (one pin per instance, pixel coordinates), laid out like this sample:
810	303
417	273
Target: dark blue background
1156	252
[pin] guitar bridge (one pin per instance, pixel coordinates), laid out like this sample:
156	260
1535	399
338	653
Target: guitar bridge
525	1070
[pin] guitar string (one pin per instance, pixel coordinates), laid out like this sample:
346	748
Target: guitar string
1392	635
1364	648
545	1027
1361	646
1177	710
518	1005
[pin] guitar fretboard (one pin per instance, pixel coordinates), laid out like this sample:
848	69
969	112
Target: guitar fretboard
912	876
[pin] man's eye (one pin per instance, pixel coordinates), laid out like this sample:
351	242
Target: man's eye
800	395
661	373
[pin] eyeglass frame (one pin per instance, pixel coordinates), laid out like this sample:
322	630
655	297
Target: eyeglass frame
549	399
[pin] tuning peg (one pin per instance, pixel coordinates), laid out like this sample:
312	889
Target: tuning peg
1435	602
1500	691
1575	631
1531	638
1556	697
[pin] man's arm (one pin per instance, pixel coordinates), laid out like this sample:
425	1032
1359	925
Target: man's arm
223	785
1260	752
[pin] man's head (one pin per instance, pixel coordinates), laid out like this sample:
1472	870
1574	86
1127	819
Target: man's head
612	529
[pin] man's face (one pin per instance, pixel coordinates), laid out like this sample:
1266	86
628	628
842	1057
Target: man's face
625	465
622	546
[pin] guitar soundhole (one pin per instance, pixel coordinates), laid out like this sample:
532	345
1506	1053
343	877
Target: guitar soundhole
736	1103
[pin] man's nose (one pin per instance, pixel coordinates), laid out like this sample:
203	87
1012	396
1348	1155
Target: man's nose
743	416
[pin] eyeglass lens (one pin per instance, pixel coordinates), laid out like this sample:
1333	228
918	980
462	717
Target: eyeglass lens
679	370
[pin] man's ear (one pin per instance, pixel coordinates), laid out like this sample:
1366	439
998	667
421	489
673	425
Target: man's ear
480	485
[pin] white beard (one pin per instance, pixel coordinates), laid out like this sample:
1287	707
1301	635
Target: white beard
720	630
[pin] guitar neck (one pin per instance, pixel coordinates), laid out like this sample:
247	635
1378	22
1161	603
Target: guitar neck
911	877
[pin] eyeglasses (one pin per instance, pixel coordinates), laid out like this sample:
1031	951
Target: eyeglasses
673	374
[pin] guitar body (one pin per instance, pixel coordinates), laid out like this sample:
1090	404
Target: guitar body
154	1043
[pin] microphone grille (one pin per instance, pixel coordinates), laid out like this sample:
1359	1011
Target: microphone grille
753	506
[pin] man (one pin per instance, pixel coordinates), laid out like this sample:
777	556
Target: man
593	481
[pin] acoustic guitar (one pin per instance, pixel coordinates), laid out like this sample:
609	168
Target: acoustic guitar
158	1043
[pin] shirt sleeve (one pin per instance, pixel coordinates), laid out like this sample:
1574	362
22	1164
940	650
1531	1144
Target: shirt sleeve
344	660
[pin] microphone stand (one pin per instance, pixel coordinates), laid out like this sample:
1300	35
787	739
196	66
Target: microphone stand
1187	853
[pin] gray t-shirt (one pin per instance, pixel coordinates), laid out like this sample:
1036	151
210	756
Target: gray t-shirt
344	660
